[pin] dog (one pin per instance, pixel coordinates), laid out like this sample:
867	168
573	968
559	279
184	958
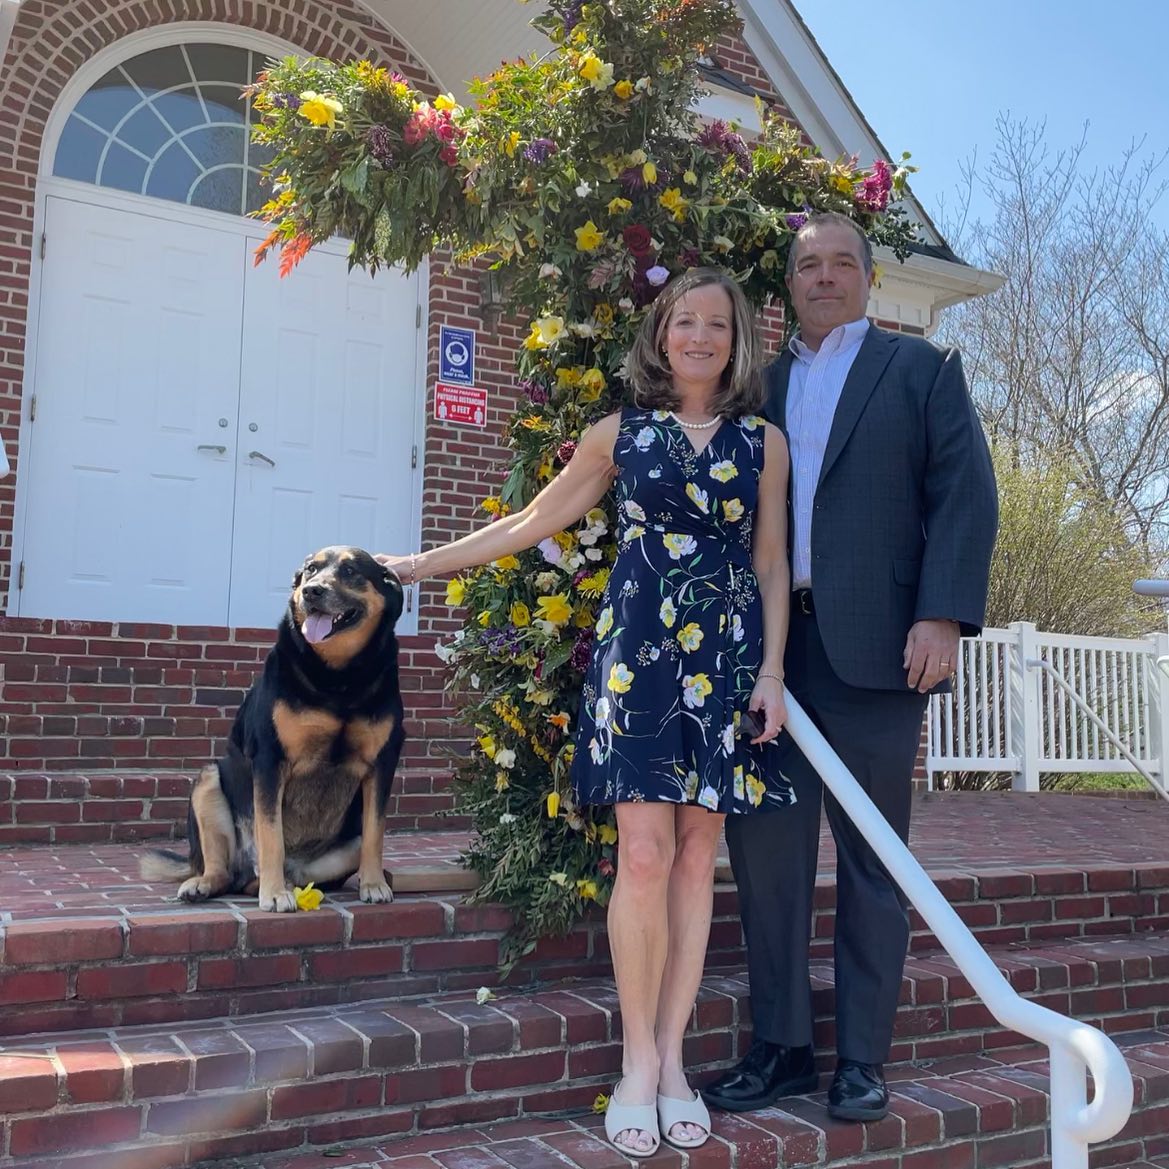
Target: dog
302	791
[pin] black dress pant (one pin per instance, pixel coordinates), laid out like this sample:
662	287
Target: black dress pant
876	734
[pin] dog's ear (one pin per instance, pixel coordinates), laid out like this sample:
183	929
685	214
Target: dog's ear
297	578
392	590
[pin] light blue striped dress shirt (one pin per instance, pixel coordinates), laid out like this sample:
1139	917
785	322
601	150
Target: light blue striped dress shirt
813	392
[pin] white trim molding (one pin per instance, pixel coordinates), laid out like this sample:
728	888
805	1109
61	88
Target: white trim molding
915	292
9	10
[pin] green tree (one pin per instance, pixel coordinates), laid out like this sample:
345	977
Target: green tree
585	179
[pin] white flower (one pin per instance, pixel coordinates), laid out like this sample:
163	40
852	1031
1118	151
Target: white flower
723	471
696	689
729	739
551	551
483	995
634	511
656	473
722	243
584	187
698	497
737	630
625	304
595	752
507	818
445	653
708	798
678	544
644	438
603	708
633	533
582	329
545	582
474	681
594	554
550	272
505	757
668	613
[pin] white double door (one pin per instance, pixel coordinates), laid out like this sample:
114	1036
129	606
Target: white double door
202	425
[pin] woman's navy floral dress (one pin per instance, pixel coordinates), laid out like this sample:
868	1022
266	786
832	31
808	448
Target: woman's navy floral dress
679	638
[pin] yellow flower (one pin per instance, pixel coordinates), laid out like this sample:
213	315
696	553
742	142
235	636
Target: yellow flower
445	101
506	563
559	721
320	109
511	142
594	585
690	636
492	505
608	834
649	172
624	90
456	590
588	238
593	380
587	889
754	790
535	422
568	377
308	897
487	742
603	314
619	206
637	158
502	783
554	609
605	621
690	178
582	617
675	202
485	618
695	689
520	615
553	805
732	510
620	678
668	613
601	1103
598	73
878	274
699	498
841	183
724	471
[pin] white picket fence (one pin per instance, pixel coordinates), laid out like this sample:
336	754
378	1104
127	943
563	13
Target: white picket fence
1027	702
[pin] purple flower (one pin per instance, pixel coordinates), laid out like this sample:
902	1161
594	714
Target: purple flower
718	138
572	15
796	220
737	147
582	651
287	101
535	392
689	258
632	179
713	137
874	192
539	150
381	145
657	275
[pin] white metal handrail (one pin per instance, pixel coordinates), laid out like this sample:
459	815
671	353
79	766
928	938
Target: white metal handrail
1155	588
1074	1047
1070	690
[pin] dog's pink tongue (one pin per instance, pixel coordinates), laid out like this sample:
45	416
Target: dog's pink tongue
316	627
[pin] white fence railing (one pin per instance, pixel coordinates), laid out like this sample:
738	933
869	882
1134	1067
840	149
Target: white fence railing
1075	1049
1027	702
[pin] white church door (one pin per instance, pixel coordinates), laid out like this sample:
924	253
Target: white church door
201	425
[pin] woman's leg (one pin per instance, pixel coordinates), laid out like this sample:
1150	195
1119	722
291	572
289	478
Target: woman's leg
691	898
638	924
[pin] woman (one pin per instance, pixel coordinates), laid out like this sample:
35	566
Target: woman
689	638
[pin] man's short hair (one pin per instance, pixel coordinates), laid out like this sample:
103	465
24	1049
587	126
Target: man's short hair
827	219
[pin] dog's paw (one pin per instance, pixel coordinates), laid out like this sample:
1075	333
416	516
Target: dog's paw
282	901
376	892
195	889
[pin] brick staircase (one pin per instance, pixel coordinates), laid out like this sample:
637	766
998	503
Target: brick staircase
140	1034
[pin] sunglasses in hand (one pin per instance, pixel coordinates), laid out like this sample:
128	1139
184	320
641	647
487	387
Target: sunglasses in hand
751	724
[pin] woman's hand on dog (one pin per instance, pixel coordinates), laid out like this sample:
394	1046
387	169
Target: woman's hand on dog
400	566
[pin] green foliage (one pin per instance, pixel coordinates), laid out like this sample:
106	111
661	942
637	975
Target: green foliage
1062	558
586	180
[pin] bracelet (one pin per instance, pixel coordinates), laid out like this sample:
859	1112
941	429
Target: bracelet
413	567
775	676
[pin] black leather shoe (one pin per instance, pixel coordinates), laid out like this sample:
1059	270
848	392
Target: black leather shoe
858	1091
767	1072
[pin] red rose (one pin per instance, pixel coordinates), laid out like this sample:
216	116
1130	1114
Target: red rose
638	239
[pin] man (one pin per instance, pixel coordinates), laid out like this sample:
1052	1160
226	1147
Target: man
893	517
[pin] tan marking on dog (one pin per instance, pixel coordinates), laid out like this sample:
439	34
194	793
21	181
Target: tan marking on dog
304	734
216	837
340	649
366	737
371	877
268	827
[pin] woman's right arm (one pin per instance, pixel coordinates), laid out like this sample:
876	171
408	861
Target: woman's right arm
579	487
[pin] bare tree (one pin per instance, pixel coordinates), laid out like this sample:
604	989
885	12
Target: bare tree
1072	354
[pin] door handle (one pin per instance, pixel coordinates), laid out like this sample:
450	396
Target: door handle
261	456
212	446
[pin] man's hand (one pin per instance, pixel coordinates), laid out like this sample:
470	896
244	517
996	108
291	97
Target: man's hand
931	653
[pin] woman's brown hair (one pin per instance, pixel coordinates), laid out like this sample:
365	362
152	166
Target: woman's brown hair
648	371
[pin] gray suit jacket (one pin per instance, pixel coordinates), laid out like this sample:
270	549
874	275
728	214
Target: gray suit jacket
905	511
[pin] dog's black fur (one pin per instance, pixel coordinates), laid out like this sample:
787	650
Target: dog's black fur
302	792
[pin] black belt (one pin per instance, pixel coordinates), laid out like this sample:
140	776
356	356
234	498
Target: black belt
802	602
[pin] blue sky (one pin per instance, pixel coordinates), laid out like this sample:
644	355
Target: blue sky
931	76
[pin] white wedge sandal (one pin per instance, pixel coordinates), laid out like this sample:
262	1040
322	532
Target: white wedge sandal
672	1112
640	1117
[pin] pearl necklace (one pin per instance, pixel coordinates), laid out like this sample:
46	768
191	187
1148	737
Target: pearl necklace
696	425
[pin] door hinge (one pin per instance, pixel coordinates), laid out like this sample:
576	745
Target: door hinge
44	244
32	409
414	456
20	576
418	316
410	599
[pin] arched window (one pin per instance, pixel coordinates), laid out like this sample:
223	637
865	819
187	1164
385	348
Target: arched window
173	124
